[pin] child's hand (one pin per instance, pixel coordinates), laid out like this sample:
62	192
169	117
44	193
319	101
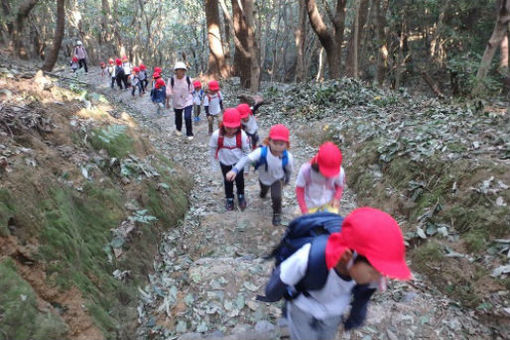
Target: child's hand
230	176
335	203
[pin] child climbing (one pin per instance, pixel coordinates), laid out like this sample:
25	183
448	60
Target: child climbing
103	69
249	123
228	145
135	81
320	182
120	74
275	165
180	90
142	75
198	98
74	64
213	104
126	65
158	95
321	278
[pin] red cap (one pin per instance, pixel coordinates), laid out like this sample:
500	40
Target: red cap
118	61
214	85
197	84
231	118
279	132
136	69
374	234
102	64
124	58
244	110
75	59
157	69
160	83
110	61
156	75
329	159
142	67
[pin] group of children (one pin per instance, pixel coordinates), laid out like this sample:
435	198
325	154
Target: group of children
354	261
369	246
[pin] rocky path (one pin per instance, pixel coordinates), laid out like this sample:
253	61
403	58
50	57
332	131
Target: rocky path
210	267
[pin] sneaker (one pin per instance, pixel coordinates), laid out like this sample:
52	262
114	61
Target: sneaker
178	133
229	204
262	194
277	219
242	202
196	119
190	137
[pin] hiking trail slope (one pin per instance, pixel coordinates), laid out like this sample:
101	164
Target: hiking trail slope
210	267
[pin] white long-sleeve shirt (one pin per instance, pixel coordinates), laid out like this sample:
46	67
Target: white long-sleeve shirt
274	166
228	156
251	126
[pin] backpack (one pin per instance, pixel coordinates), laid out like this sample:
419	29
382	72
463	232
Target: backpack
263	158
310	228
172	81
239	143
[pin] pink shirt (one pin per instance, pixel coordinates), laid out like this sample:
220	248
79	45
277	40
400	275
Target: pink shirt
181	93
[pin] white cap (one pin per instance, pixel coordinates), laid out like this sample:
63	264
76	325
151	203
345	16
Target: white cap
78	42
180	66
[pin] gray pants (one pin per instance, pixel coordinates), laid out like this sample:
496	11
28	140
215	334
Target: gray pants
276	194
303	326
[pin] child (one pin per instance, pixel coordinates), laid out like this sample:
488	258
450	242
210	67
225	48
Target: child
276	167
126	65
135	81
158	94
368	248
180	90
320	182
119	74
74	64
249	123
213	104
103	69
228	145
198	97
155	76
111	71
143	78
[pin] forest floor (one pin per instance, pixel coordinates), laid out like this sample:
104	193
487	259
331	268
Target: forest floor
210	267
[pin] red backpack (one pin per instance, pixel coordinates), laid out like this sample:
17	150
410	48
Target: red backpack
239	143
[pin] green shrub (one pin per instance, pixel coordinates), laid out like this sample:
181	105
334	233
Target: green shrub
113	139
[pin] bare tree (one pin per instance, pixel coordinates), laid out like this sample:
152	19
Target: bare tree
300	34
24	10
217	66
498	34
352	59
51	59
330	40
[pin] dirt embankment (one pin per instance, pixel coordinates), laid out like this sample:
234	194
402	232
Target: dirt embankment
84	197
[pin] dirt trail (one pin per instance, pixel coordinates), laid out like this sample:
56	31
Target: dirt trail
210	267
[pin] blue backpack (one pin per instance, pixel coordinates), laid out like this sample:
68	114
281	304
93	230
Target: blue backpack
314	229
263	159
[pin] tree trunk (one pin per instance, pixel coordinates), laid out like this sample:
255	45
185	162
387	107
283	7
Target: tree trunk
401	60
300	34
217	66
382	46
503	64
23	12
320	71
352	59
498	34
330	41
59	35
241	61
252	46
226	45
